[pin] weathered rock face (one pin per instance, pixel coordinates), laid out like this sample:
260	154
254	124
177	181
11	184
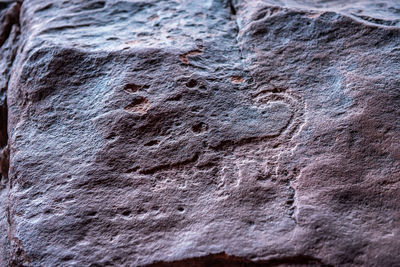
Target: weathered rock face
177	133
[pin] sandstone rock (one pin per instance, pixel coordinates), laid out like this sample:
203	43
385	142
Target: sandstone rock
178	133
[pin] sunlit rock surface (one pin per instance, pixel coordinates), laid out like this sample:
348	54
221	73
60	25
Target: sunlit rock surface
200	133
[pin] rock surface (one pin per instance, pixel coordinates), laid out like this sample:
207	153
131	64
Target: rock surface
200	133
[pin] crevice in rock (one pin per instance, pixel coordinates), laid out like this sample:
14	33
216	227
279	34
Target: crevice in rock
19	256
9	45
377	21
230	144
224	260
9	13
9	17
291	202
233	11
232	8
3	122
171	166
4	165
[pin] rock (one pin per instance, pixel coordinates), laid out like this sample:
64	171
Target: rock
9	38
179	133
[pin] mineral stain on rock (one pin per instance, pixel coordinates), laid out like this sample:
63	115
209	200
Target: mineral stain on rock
184	58
138	105
199	133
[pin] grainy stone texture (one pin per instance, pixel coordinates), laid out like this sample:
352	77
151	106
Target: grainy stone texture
202	133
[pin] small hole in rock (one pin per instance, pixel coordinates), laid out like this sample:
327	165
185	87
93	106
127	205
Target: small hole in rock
263	177
200	127
196	109
202	87
151	143
67	258
133	88
134	169
126	212
277	90
92	213
191	83
181	209
175	98
111	136
236	79
95	5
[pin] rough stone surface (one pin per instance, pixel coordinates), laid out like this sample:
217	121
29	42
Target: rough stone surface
200	133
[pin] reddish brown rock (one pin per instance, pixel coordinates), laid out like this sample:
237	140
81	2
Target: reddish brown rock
200	133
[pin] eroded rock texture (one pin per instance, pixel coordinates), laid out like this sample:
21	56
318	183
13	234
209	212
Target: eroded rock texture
200	133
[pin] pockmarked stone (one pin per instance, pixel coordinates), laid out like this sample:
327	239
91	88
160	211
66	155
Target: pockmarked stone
200	133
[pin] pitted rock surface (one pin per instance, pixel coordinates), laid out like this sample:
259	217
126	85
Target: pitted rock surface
200	133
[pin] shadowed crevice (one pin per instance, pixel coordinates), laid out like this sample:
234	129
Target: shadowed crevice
224	260
9	18
9	44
